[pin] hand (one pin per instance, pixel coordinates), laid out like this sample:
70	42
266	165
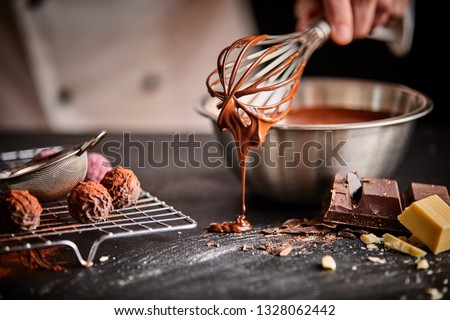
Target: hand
350	19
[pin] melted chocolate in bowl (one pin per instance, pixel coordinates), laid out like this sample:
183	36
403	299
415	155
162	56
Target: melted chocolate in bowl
331	115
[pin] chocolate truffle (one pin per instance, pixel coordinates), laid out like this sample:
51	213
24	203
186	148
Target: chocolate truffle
19	211
89	202
98	165
123	186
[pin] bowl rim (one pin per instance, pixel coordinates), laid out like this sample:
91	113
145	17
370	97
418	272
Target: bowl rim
426	106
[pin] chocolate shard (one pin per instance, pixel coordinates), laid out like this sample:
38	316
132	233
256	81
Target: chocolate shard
417	191
354	186
378	207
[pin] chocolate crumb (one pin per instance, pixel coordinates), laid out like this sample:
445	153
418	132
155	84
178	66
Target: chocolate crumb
212	243
270	231
282	250
346	234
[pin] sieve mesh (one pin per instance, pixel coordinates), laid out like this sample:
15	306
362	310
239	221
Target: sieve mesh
54	181
51	178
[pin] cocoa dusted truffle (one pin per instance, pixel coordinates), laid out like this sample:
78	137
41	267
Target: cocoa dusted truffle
19	211
89	202
123	186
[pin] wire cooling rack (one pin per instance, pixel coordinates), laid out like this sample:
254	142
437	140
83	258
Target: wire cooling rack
57	228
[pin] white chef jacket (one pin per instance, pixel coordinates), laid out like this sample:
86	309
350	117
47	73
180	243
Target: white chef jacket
79	66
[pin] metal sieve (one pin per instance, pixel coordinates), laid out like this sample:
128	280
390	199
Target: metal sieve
51	178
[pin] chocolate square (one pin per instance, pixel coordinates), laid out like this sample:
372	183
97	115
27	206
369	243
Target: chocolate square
377	206
417	191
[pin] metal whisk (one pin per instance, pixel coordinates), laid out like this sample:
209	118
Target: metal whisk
258	76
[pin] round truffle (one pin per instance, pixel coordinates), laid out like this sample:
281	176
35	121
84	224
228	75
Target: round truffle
19	211
98	165
89	202
123	186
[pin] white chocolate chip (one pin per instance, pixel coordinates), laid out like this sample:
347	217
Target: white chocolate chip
422	264
393	243
435	294
328	263
377	260
370	238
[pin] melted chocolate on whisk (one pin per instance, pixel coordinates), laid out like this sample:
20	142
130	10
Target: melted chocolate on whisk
248	126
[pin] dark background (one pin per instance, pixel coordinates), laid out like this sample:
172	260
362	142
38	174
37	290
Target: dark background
423	69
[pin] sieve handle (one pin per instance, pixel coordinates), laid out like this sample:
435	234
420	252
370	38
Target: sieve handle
88	145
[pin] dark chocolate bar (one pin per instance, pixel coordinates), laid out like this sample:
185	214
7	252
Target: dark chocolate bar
377	206
418	191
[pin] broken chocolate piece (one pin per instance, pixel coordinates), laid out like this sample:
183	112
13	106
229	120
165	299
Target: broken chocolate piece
429	220
354	186
393	243
280	249
378	207
370	238
417	191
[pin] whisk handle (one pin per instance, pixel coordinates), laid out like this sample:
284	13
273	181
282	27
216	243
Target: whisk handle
323	30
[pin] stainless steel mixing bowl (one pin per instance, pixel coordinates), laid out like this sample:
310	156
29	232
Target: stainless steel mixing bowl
297	163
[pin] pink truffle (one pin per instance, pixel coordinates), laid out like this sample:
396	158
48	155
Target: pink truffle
44	153
98	165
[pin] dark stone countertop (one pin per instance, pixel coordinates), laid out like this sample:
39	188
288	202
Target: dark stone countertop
194	265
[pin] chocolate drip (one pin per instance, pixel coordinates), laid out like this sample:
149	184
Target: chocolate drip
237	226
249	123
